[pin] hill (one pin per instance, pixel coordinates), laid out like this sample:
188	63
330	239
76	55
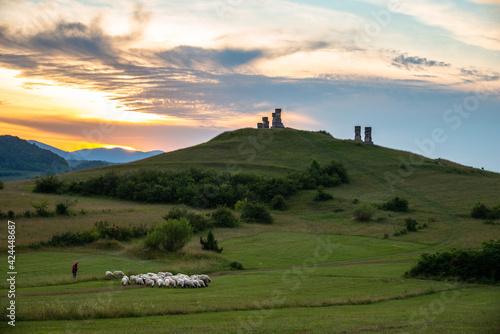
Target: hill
112	155
20	159
279	151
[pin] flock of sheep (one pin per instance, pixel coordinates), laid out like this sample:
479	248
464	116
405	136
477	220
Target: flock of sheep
162	279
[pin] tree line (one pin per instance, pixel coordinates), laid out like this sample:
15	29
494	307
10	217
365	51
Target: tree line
197	187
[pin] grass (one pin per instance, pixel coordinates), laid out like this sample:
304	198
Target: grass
291	283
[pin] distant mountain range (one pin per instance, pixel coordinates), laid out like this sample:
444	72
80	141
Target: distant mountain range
113	155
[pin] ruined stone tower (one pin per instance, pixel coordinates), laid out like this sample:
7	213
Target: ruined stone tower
264	124
368	135
277	119
357	133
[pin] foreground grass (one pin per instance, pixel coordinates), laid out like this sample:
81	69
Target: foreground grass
472	310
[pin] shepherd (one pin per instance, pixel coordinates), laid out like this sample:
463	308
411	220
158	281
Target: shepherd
74	269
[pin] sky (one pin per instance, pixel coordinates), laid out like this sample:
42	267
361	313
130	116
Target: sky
163	75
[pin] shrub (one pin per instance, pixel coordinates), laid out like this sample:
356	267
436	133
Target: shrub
479	211
63	207
402	231
198	222
236	265
411	225
240	205
364	213
210	243
278	203
2	215
396	204
11	214
27	214
257	212
48	184
321	195
223	217
2	185
40	207
171	235
463	264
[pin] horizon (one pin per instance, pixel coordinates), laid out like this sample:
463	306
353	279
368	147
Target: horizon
164	76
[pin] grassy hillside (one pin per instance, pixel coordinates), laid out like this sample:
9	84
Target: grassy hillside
314	262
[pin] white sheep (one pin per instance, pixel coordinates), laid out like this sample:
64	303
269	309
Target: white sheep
205	279
139	281
189	283
150	282
109	274
118	273
125	281
160	282
172	282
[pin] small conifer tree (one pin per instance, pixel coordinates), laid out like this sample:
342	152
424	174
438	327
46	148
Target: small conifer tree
210	243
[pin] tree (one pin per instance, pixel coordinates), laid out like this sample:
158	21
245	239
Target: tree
257	212
2	185
223	217
210	243
63	207
171	235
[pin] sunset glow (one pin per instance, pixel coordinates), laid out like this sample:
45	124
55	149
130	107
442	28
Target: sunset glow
165	75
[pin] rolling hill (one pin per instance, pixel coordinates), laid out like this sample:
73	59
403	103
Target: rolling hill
20	159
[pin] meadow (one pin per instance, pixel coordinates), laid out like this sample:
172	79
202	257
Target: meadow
315	270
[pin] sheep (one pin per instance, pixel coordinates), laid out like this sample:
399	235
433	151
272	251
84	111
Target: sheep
109	274
125	281
160	282
133	278
139	281
172	282
205	279
167	274
189	283
201	283
118	272
180	282
150	282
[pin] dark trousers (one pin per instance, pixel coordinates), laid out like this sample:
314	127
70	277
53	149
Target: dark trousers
74	274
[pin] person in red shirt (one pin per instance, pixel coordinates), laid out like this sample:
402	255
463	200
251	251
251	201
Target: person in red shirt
74	269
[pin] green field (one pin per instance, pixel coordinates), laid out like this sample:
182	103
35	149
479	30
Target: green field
315	270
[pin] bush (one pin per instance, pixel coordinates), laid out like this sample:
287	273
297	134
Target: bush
198	222
463	264
27	214
224	217
411	225
257	212
278	203
402	231
63	207
364	213
396	204
479	211
236	265
171	235
321	195
210	243
40	207
2	185
48	184
11	214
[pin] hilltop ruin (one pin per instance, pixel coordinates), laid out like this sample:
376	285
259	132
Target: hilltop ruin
276	123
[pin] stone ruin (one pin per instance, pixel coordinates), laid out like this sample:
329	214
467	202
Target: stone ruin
368	134
276	123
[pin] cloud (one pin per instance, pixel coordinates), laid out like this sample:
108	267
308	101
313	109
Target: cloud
197	57
416	62
473	74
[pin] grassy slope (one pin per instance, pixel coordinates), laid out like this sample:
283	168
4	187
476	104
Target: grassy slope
362	267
